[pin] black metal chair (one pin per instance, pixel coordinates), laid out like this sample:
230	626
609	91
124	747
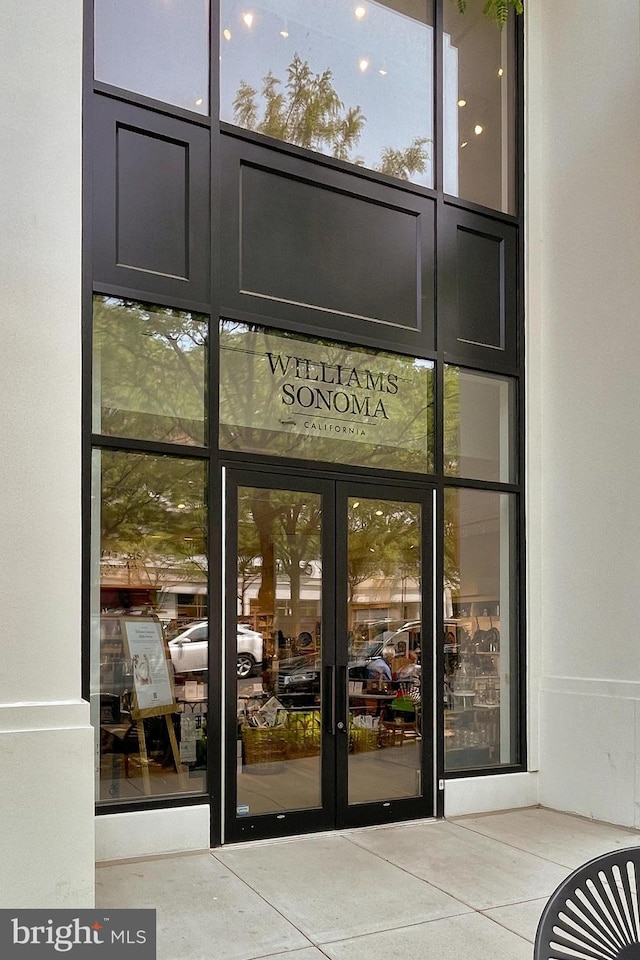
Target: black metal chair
594	914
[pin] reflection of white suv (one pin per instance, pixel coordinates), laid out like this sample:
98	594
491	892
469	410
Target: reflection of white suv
189	650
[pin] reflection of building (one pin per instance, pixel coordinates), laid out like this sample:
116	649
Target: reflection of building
580	298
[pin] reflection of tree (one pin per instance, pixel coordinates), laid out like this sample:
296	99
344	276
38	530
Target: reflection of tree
248	391
149	370
153	518
384	541
310	113
495	10
282	527
300	542
249	570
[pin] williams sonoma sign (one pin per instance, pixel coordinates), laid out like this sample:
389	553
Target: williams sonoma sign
302	388
333	387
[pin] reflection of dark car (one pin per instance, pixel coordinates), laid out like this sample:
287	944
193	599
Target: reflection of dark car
298	679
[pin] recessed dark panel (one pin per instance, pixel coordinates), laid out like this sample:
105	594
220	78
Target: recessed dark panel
477	289
306	244
480	311
151	204
152	215
312	248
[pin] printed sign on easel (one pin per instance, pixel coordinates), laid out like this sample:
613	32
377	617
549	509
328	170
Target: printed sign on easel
151	679
153	694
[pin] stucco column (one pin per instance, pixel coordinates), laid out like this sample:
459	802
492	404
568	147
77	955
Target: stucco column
583	351
46	742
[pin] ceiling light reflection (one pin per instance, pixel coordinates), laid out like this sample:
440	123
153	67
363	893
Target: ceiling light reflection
248	19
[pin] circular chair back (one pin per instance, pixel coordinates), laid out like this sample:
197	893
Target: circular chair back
594	913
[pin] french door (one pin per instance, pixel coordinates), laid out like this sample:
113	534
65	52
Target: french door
329	672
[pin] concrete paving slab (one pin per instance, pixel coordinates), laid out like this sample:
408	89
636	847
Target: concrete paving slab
558	837
476	870
203	910
454	938
331	888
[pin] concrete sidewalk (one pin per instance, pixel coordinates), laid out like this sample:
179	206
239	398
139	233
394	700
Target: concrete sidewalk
466	889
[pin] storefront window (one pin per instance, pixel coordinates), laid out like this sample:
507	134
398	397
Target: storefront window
149	592
318	400
479	108
349	78
157	48
478	425
279	650
148	371
480	642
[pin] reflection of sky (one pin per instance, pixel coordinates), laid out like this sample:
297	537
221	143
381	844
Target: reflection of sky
326	33
155	47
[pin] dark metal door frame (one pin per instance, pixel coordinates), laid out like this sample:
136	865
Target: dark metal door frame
385	811
335	810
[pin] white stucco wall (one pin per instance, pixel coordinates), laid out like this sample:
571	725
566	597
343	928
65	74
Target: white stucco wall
583	341
46	787
583	291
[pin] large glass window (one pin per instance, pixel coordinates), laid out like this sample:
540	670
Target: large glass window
478	425
479	108
481	667
148	371
319	400
149	592
348	78
384	570
279	650
159	48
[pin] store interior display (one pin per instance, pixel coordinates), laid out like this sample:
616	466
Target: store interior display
152	730
472	690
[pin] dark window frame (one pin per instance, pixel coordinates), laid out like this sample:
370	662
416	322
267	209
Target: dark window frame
446	207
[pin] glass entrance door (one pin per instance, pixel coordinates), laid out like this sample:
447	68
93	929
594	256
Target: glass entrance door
327	713
384	621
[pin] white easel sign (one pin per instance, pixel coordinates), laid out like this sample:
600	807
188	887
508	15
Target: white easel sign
151	678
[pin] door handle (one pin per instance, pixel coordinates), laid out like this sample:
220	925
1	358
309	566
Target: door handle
341	686
332	677
329	699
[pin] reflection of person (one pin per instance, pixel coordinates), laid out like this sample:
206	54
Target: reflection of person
380	668
411	670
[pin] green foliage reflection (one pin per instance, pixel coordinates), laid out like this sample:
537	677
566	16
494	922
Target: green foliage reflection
308	111
152	520
149	371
